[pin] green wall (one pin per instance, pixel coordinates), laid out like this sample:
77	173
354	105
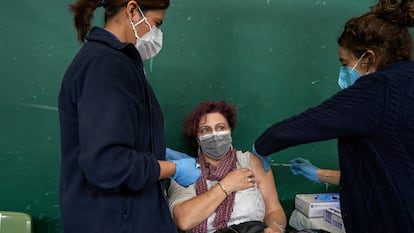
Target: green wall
271	58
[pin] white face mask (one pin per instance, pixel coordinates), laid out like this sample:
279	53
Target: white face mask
150	43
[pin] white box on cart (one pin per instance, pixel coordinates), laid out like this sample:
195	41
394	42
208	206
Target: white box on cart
334	218
311	207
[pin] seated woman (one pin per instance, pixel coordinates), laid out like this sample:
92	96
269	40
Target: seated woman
233	190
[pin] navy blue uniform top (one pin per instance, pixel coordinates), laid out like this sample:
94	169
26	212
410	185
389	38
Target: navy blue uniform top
112	135
374	123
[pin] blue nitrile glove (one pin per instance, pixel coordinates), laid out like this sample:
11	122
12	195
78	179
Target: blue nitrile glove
173	154
264	159
186	171
324	197
305	168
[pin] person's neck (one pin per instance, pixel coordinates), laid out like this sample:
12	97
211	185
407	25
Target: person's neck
121	30
211	161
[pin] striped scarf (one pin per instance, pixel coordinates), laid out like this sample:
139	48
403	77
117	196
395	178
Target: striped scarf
224	210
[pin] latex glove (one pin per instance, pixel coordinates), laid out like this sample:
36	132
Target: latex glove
264	159
325	197
174	155
186	171
305	168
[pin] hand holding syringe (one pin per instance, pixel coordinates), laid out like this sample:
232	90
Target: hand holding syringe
307	169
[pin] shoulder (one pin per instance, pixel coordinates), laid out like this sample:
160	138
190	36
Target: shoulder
249	160
104	46
243	158
256	163
101	61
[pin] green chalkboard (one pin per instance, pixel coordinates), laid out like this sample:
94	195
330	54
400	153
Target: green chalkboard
271	58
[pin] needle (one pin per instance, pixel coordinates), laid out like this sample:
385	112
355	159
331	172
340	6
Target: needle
281	164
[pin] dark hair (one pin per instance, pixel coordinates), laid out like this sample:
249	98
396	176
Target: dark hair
83	11
190	126
384	30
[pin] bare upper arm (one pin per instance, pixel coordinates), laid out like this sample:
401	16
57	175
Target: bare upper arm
265	183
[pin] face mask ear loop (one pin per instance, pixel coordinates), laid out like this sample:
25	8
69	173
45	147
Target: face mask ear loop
356	64
144	18
134	25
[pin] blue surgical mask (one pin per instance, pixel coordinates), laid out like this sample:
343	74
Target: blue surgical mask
348	75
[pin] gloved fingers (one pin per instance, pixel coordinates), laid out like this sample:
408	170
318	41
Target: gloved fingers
265	162
295	170
190	179
187	171
174	155
298	160
265	159
254	151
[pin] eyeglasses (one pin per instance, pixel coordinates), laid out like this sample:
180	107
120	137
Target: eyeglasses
204	130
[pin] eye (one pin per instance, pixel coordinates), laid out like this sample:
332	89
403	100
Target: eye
204	130
222	127
342	61
158	23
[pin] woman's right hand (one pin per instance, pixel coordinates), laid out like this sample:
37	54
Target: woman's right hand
239	179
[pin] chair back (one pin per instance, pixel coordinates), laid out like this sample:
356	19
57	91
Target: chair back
15	222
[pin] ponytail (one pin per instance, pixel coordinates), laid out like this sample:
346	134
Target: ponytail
83	14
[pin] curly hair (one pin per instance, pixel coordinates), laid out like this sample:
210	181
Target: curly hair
383	30
190	126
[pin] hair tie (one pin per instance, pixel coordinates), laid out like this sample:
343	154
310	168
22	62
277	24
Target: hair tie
102	3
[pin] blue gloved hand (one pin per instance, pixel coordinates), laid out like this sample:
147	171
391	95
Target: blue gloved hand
264	159
186	171
174	155
305	168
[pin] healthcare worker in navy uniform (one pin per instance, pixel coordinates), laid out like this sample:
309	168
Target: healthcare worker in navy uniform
372	118
113	161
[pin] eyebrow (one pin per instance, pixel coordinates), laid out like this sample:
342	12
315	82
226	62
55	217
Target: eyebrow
218	124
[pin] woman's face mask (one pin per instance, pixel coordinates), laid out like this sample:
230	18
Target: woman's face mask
348	75
216	145
150	43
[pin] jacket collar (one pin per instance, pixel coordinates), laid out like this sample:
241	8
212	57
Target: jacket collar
101	35
98	34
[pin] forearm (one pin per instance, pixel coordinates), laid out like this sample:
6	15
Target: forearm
329	176
328	120
192	212
275	217
167	169
276	220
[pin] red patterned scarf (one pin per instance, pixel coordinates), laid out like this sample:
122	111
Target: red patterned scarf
224	210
